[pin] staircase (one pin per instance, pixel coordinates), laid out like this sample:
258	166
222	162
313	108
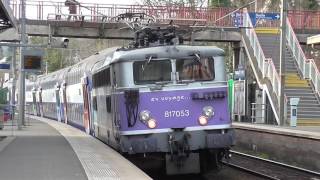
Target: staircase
295	85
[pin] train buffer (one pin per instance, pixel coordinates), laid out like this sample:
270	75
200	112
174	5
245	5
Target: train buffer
47	149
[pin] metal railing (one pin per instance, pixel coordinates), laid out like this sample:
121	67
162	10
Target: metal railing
304	19
265	65
258	114
41	9
307	67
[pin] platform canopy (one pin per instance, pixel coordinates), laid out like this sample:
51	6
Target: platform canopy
7	20
312	40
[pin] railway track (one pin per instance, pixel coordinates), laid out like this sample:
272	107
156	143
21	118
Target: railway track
269	169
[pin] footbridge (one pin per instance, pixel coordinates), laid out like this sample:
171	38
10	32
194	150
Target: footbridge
257	47
110	21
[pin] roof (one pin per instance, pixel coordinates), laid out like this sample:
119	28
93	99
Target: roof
313	39
171	52
7	20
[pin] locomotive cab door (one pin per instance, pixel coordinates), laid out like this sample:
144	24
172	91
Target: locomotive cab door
114	105
40	102
86	112
57	90
64	97
34	102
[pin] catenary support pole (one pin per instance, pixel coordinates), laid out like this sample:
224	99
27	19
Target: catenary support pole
13	89
284	5
21	69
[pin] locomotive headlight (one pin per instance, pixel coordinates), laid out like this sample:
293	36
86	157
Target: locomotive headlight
208	111
203	120
152	123
145	115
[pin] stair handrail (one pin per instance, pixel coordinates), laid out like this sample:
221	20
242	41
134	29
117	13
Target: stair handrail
273	76
265	65
314	75
307	66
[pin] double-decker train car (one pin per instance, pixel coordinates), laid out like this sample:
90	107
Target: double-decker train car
157	98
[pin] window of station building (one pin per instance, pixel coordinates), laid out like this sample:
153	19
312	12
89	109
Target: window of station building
102	78
196	69
145	72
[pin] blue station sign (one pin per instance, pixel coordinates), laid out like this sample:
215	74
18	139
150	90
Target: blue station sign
255	17
263	16
4	66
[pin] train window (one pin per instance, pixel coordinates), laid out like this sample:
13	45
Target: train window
194	69
108	103
94	103
102	78
154	71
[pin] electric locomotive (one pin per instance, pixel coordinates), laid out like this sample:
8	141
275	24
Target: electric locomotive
156	98
162	98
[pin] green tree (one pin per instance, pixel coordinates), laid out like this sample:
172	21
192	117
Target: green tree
53	58
310	5
219	3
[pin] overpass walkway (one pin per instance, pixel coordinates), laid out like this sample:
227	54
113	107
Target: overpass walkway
46	149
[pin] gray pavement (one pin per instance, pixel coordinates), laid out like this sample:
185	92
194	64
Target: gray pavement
38	152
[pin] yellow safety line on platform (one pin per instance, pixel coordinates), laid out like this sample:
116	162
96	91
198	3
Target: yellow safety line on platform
309	122
267	30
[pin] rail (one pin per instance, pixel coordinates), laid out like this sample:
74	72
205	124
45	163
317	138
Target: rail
270	169
265	65
306	66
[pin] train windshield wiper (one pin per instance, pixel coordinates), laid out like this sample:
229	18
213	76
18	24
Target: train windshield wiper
198	58
146	63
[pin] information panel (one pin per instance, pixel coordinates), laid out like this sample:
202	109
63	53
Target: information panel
33	60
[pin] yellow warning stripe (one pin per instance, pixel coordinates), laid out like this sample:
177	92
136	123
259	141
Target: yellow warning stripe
267	30
309	122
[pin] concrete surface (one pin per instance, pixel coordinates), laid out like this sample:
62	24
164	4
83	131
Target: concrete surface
296	146
38	152
119	31
98	160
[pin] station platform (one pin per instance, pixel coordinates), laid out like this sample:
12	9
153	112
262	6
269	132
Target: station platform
303	131
47	149
297	146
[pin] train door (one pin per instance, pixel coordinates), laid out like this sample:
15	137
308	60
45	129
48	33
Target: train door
34	102
114	105
58	103
86	115
64	97
62	116
40	102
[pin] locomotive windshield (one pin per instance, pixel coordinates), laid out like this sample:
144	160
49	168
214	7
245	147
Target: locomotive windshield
151	72
196	69
148	72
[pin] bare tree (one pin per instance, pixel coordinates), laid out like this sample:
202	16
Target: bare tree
185	3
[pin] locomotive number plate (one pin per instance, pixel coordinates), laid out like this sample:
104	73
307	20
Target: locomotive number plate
177	113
